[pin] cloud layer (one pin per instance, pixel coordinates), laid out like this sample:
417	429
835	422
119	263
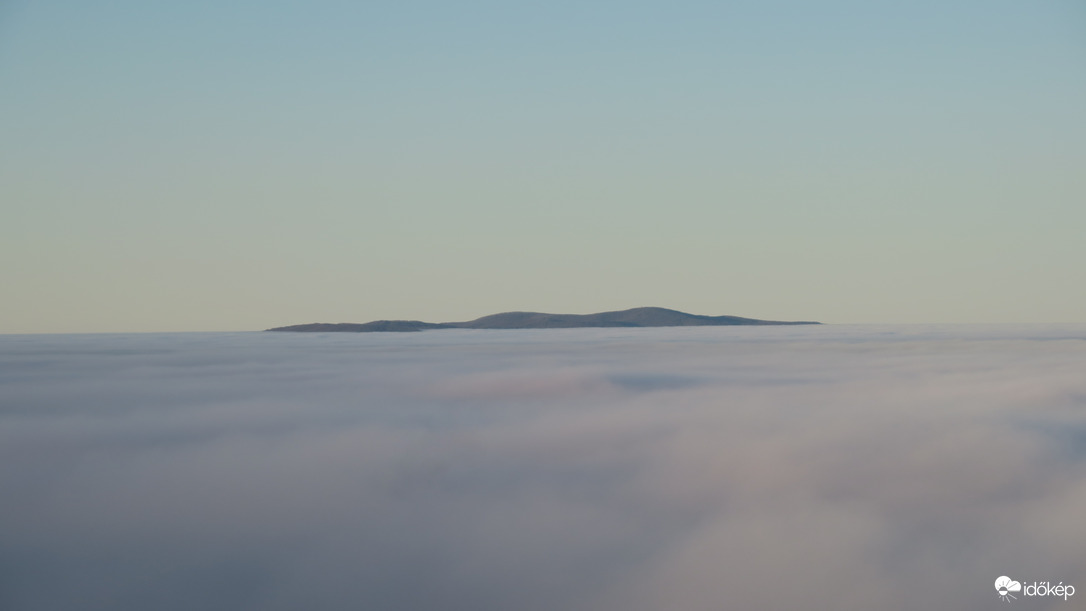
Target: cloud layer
889	467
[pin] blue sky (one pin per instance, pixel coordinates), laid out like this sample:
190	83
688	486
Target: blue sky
197	166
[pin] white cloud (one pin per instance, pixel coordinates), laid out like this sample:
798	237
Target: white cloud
829	467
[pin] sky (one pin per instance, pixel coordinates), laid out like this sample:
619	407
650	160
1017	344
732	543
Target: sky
835	467
206	166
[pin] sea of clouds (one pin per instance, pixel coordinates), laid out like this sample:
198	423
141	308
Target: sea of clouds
830	467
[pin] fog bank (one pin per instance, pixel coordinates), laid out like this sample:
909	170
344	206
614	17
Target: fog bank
836	467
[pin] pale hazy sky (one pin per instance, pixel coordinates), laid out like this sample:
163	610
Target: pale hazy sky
211	166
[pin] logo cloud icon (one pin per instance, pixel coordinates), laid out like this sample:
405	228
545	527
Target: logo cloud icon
1005	585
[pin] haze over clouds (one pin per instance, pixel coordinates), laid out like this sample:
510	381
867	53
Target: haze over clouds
860	467
226	166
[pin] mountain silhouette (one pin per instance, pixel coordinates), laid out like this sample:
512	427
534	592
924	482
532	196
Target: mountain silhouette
636	317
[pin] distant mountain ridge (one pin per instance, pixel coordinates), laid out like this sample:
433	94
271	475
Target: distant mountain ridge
636	317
